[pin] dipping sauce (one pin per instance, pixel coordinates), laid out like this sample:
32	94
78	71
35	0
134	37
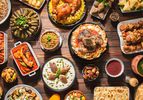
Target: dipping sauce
114	67
114	17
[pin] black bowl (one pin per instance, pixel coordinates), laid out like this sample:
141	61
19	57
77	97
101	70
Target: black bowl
32	37
56	23
58	90
70	35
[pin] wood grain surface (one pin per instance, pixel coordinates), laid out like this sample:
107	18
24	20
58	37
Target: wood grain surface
86	87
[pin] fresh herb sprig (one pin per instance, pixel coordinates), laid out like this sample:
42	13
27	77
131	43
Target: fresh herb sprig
22	21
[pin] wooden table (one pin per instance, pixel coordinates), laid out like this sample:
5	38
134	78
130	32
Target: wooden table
87	87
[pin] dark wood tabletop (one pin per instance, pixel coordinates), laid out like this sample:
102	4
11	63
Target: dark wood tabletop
113	50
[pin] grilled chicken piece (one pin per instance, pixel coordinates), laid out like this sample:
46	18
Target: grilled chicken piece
65	70
52	76
63	11
53	67
25	59
63	79
75	4
133	37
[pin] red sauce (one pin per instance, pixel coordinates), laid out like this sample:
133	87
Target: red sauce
114	67
25	70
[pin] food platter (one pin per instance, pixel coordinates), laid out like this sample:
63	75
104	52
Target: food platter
58	73
25	23
4	10
24	93
98	29
29	64
35	5
4	46
98	11
122	43
75	94
59	24
112	93
138	94
125	6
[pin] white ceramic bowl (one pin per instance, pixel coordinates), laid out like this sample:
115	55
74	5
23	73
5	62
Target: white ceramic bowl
8	13
122	67
55	48
22	85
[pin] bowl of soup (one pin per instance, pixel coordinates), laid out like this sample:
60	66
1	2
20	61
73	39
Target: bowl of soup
114	67
50	41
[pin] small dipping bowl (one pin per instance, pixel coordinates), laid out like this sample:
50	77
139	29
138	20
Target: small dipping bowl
114	17
49	39
90	72
114	67
6	75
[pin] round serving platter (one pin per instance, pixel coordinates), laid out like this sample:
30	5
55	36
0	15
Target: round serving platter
70	35
8	13
71	63
22	85
38	29
56	23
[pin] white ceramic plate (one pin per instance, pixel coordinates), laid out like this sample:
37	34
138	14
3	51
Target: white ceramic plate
8	13
22	85
120	35
57	85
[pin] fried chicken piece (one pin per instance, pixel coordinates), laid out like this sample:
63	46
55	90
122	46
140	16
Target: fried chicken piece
65	70
63	79
52	76
63	11
133	37
140	23
123	27
53	67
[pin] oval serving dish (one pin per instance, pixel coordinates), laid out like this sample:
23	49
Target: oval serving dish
25	59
